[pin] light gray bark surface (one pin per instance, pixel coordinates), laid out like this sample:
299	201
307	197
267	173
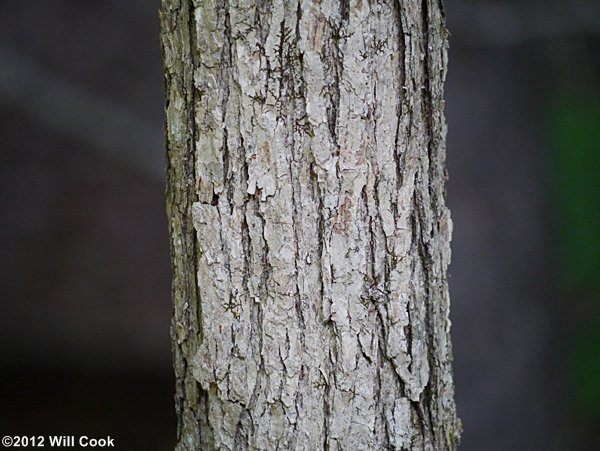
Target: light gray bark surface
310	241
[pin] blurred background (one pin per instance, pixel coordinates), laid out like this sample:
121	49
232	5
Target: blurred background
84	268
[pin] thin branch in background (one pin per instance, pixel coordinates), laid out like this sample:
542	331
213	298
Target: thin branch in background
63	107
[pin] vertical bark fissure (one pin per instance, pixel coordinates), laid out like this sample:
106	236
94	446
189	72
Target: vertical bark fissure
400	109
332	60
193	302
224	82
427	99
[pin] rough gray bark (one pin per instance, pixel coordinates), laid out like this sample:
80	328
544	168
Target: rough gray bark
309	235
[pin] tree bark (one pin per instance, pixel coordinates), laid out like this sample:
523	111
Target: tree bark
309	236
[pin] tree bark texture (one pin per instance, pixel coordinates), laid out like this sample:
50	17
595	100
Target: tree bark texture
309	236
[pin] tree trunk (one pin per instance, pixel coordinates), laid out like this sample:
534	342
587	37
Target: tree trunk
309	235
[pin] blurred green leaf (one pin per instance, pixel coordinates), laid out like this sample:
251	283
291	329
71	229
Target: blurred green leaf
576	139
576	185
584	363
